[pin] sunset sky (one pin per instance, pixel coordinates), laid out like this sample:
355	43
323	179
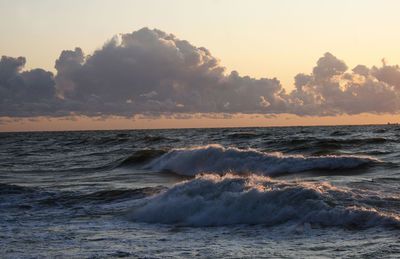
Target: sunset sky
164	64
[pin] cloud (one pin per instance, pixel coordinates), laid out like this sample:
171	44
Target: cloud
151	73
26	94
331	90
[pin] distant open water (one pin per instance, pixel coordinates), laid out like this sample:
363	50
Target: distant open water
232	192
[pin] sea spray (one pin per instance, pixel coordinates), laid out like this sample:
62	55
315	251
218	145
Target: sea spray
212	200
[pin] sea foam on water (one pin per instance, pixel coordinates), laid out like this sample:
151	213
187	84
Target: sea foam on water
212	200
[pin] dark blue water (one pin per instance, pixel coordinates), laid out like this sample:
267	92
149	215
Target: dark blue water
237	192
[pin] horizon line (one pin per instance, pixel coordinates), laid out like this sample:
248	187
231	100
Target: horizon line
223	127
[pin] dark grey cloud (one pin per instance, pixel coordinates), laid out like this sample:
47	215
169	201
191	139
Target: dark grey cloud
152	73
26	94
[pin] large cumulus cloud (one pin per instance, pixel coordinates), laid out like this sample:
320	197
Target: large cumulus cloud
152	73
149	71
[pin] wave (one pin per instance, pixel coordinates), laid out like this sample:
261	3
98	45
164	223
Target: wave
136	158
217	159
141	156
12	189
93	140
212	200
242	135
327	146
362	141
36	197
339	133
335	142
158	139
154	138
104	196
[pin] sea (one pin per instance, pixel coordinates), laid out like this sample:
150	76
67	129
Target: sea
270	192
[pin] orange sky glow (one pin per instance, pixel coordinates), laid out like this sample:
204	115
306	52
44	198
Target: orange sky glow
261	39
118	123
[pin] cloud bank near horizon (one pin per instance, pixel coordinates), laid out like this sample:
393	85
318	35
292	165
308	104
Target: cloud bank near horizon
152	73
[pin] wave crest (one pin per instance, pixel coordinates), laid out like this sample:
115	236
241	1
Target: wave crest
212	200
217	159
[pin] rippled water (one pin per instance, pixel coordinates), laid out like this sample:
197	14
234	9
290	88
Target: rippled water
237	192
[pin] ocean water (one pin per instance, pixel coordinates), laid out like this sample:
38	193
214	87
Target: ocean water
279	192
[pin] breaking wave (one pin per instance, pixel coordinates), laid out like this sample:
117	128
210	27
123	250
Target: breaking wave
217	159
212	200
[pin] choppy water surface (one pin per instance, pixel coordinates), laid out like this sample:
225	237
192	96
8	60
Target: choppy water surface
237	192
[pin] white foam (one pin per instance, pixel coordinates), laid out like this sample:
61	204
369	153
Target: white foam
212	200
217	159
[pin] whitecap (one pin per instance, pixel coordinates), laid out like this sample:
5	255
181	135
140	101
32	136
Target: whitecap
217	159
212	200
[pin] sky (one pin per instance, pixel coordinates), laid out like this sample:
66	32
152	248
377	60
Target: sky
162	64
